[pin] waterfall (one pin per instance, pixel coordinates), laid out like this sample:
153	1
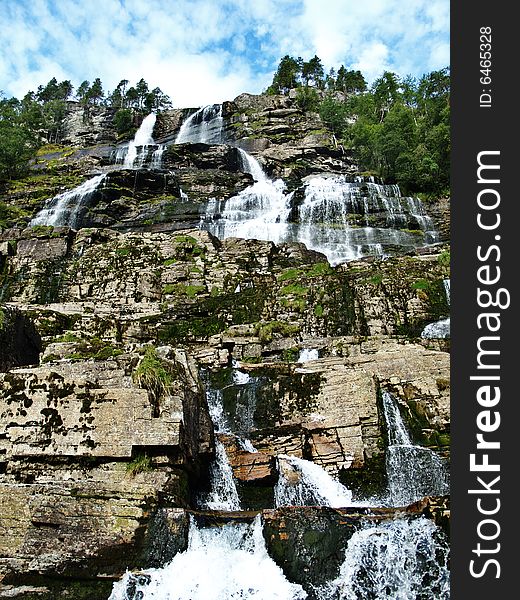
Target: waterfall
142	148
401	560
203	126
223	493
304	483
261	211
307	354
329	203
412	471
220	563
67	208
441	328
323	223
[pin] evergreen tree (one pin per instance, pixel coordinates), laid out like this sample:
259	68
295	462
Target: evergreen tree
313	72
95	94
287	76
17	142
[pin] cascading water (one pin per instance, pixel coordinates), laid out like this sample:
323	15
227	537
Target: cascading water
304	483
412	471
307	354
401	560
330	202
221	563
261	211
142	148
67	208
222	494
265	209
204	126
439	329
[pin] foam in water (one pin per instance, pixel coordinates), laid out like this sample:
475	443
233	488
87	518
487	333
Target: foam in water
401	560
66	208
143	137
239	377
221	563
329	202
412	471
307	354
203	126
223	493
260	211
142	148
304	483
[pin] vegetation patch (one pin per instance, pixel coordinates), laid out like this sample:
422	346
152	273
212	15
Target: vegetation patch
267	331
140	464
152	375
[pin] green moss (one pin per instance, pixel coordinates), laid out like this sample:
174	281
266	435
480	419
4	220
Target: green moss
267	331
318	310
43	231
189	290
290	354
107	352
376	279
420	284
444	258
295	304
293	290
289	274
320	269
169	261
193	290
68	337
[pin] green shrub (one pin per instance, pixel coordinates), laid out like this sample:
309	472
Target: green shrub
152	375
141	464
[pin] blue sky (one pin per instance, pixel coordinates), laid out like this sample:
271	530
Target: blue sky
204	51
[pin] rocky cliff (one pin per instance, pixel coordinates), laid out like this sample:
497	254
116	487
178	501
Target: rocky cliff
113	332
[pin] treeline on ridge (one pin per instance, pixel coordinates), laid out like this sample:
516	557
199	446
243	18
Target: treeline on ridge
399	127
38	118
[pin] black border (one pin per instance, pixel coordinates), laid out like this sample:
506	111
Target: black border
476	129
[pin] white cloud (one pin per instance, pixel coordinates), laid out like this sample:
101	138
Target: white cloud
201	51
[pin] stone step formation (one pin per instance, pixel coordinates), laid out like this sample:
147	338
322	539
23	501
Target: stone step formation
212	345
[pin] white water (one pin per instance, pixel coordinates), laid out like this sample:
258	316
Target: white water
441	328
303	483
330	202
223	493
142	148
307	354
221	563
66	208
413	472
397	560
203	126
239	377
261	211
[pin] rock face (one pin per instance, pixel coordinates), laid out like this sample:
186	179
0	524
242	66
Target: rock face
115	336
